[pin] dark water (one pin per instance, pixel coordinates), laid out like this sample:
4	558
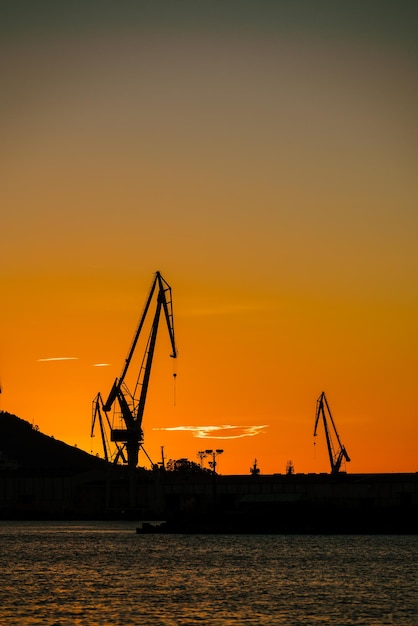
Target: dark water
104	574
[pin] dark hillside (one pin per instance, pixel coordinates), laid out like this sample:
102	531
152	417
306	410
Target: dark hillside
24	447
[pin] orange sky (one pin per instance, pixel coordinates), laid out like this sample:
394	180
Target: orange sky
263	157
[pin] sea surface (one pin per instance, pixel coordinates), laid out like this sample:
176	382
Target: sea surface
69	573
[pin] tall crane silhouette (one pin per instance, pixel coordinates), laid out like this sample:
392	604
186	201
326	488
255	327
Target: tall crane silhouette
128	404
336	451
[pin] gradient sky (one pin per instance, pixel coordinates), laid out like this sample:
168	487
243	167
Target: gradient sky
263	157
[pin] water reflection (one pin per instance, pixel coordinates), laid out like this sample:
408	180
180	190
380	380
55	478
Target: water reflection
101	574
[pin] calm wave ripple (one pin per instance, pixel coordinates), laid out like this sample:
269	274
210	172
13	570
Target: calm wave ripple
102	574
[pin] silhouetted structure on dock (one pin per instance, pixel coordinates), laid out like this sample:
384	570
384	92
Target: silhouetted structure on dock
42	478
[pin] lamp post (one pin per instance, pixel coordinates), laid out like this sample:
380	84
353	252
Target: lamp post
214	454
201	455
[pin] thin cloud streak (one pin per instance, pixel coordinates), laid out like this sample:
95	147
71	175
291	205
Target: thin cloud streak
59	358
210	432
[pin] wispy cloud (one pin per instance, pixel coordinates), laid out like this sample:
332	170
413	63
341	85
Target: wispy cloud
101	364
224	431
59	358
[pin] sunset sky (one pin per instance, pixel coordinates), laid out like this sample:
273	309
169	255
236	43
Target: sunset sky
263	156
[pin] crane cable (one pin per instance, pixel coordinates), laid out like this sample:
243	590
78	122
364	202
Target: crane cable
174	385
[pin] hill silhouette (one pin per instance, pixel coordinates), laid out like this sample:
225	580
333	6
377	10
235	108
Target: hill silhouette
23	446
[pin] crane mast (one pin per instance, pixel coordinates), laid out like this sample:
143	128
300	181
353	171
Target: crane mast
336	453
100	415
131	404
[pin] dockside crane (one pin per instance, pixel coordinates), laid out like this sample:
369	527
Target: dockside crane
100	415
337	453
126	404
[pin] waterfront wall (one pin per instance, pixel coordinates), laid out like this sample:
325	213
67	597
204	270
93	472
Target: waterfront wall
295	502
345	503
